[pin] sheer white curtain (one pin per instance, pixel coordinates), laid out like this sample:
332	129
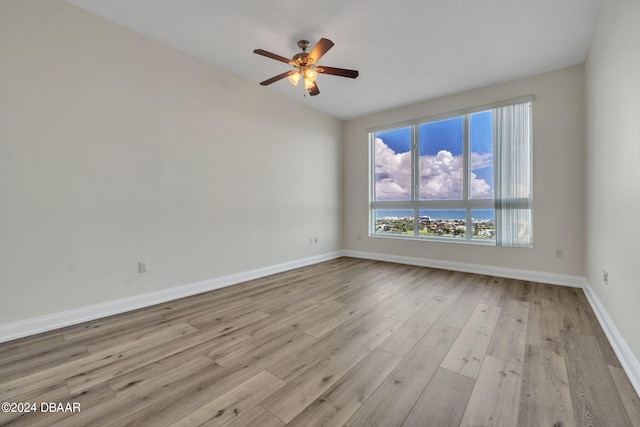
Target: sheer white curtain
513	175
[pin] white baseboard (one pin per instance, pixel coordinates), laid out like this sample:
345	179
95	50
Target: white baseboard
53	321
510	273
629	362
83	314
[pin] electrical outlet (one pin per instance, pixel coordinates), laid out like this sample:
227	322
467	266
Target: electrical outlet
605	277
559	253
143	266
358	237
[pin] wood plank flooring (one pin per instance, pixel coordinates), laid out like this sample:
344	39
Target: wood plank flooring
346	342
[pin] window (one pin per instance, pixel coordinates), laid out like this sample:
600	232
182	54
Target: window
464	177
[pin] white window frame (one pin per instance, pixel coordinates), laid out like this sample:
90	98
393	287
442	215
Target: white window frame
466	203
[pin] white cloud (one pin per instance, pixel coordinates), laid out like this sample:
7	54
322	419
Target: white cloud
481	160
393	173
440	175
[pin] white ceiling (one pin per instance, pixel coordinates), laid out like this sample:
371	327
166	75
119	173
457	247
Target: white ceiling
406	50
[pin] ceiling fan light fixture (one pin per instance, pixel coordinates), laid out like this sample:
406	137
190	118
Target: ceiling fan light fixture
294	78
310	74
308	84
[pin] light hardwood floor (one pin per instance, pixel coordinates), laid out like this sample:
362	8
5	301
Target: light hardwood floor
346	342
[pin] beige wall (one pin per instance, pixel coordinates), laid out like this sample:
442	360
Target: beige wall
558	129
613	172
115	148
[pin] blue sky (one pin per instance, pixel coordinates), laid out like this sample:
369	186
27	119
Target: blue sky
399	140
443	135
481	132
481	129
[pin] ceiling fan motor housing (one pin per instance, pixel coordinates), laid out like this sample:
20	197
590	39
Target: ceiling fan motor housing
301	58
304	45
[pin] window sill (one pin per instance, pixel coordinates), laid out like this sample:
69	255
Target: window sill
478	242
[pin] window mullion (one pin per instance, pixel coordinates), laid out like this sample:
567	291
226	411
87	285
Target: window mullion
466	169
415	164
415	177
466	175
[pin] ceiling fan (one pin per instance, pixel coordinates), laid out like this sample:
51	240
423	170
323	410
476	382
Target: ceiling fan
305	66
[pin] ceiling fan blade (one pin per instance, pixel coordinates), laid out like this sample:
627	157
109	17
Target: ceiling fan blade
320	49
313	90
352	74
278	77
272	55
